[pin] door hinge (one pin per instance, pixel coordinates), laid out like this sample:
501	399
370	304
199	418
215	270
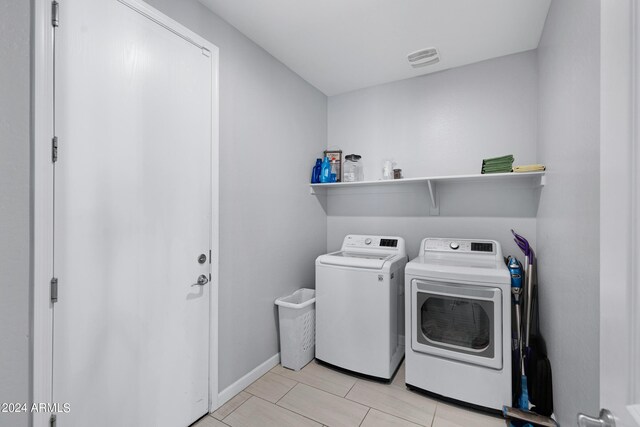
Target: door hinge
54	149
209	256
55	10
54	289
52	420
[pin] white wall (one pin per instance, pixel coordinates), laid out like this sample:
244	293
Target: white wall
15	206
568	217
439	124
443	123
273	124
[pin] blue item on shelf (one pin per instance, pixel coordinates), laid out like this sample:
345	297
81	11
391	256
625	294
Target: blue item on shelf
315	173
325	171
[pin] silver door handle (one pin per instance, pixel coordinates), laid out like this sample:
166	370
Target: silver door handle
605	419
202	280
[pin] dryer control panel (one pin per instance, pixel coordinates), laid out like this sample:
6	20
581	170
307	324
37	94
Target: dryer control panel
467	246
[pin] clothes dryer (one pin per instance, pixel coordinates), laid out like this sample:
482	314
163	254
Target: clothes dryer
458	322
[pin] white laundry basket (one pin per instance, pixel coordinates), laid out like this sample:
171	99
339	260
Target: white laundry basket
297	313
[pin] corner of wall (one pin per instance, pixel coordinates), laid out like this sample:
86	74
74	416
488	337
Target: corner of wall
568	216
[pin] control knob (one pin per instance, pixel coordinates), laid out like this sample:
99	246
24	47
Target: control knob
367	241
454	245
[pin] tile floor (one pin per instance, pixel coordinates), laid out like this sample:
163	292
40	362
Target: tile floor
320	396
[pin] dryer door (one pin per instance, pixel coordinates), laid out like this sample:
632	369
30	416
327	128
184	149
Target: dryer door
457	322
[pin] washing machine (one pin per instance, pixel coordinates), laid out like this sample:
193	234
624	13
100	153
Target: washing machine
360	305
458	322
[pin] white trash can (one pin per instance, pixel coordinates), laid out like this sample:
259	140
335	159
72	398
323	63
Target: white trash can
297	313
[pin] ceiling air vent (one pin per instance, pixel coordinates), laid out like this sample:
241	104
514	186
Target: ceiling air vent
424	57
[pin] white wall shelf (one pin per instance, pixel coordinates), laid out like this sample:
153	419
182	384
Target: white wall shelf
536	179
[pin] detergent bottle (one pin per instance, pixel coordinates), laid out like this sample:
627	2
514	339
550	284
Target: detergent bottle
315	173
325	171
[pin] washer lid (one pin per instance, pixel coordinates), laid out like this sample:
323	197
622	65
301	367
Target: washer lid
354	259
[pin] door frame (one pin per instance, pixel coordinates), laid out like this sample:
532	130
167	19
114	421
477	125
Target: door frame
619	207
42	195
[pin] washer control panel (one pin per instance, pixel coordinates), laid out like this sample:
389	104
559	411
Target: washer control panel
370	242
459	245
390	244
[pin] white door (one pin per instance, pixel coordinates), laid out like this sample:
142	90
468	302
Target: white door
133	102
619	218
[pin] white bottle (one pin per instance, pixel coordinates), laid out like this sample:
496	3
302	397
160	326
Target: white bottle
387	169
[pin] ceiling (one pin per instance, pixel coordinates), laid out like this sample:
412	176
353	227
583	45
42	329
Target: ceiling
344	45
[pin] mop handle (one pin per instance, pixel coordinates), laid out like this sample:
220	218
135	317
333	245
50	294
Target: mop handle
529	297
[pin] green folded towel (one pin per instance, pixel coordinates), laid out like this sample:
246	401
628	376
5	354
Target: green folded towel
493	167
507	158
498	170
501	164
498	164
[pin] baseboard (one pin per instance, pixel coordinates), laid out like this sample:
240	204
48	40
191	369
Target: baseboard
227	394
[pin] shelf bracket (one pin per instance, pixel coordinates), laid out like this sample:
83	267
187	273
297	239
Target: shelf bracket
543	180
433	195
315	191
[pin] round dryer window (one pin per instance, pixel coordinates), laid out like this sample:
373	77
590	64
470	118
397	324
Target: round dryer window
456	322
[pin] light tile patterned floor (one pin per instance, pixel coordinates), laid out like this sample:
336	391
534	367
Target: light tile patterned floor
320	396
